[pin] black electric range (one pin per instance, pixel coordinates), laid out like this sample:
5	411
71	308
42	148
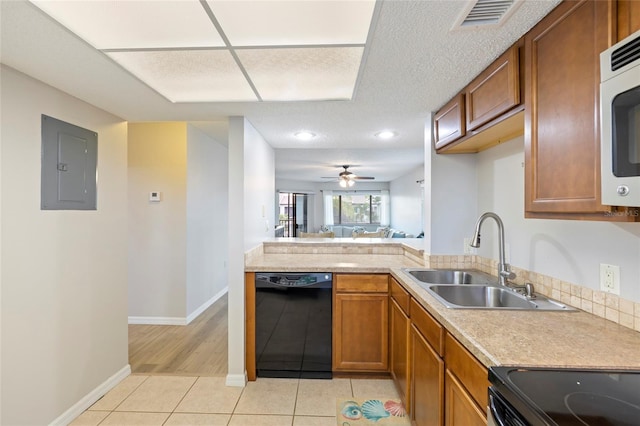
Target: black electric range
542	396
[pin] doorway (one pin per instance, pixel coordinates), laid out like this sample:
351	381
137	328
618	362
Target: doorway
293	212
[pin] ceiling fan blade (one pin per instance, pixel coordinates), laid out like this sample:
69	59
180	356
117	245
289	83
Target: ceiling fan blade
363	178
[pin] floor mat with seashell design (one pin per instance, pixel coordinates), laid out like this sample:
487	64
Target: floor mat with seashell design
370	411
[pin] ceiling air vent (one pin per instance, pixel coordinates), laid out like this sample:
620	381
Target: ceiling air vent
483	13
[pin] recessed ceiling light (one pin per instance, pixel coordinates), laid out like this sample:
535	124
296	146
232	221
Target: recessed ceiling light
304	136
386	134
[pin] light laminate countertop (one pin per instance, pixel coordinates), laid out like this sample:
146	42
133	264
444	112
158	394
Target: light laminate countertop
533	338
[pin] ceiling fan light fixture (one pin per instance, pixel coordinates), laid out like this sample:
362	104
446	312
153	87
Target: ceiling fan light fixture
343	183
351	182
304	135
386	134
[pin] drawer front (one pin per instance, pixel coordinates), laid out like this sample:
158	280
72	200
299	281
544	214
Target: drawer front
467	369
362	283
400	295
428	326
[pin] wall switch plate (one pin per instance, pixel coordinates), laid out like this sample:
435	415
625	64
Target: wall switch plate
610	278
155	196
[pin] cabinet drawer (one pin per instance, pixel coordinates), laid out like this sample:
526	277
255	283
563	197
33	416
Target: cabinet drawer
467	369
428	326
362	283
400	295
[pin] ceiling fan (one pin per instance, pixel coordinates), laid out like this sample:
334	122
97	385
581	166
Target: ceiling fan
347	178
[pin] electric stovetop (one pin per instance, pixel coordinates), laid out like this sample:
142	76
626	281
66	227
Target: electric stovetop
570	396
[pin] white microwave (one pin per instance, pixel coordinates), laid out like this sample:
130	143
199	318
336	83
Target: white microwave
620	123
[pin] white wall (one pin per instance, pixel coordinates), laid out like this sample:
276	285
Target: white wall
570	250
453	201
158	230
64	273
259	187
207	205
407	202
251	221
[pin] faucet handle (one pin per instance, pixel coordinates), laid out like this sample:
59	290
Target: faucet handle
505	271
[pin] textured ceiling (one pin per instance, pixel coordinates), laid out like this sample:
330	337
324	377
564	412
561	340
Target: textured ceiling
414	64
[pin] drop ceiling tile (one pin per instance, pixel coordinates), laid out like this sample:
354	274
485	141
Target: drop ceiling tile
294	22
189	75
109	24
303	73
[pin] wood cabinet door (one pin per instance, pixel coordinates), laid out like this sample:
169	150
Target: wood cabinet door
361	332
562	131
449	122
427	383
399	327
628	18
495	91
460	407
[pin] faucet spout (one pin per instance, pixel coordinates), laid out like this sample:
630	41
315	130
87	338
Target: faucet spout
504	269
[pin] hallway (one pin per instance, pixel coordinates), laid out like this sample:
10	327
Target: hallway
197	349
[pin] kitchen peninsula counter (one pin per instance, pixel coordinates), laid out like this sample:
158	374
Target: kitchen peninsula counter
345	255
495	337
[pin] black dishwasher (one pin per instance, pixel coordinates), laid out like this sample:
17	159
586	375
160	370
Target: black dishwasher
293	325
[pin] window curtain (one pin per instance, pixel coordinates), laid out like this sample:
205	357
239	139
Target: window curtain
385	220
328	207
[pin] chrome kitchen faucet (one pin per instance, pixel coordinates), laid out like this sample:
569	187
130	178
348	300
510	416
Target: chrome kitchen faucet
504	269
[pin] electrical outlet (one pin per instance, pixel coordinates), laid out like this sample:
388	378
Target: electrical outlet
610	278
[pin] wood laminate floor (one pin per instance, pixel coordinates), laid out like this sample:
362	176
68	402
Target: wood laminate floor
198	349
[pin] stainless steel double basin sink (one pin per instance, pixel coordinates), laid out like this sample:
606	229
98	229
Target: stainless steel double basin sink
472	289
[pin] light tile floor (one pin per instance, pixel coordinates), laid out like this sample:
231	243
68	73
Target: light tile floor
180	401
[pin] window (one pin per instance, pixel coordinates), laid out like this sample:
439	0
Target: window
357	208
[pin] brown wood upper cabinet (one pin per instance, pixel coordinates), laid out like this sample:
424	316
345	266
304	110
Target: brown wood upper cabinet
449	122
628	18
487	111
495	91
562	128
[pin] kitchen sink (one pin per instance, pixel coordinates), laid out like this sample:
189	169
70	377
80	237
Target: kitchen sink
473	289
490	297
480	296
451	276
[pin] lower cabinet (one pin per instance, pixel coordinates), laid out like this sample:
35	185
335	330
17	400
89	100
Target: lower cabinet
461	409
447	385
399	326
427	381
361	323
466	397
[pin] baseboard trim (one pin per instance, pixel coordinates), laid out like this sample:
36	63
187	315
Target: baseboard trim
206	304
178	320
158	320
89	399
237	380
